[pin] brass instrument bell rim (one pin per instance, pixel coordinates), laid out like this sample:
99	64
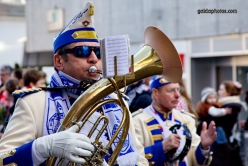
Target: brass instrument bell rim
172	66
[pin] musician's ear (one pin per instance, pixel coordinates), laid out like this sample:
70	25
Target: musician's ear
58	62
155	93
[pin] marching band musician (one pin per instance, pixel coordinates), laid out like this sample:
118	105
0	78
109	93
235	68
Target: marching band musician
152	126
30	137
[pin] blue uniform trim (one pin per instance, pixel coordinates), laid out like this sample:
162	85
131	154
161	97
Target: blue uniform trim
199	156
166	117
152	122
156	131
22	156
182	164
157	152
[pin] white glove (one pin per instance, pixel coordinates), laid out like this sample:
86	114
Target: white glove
65	144
104	163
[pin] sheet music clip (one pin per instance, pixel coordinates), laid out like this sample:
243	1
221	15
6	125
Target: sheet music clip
124	77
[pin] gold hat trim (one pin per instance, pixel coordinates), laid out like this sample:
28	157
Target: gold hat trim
92	11
84	35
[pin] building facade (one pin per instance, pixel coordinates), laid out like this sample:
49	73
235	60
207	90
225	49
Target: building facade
12	32
214	46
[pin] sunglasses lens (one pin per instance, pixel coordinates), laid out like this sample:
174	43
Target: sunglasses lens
82	52
97	52
85	51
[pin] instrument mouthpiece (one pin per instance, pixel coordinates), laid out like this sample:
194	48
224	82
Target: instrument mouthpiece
93	70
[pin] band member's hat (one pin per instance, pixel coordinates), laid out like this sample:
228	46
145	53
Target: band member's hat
157	81
80	29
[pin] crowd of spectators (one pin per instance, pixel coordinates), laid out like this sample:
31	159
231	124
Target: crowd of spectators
16	79
222	106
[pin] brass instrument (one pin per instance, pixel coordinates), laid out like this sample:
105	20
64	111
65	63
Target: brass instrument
157	57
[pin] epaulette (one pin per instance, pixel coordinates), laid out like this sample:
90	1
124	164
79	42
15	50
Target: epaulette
187	113
24	92
137	112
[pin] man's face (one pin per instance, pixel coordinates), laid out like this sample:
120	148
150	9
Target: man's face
78	67
4	76
166	97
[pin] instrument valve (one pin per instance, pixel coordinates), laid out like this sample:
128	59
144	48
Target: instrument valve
97	156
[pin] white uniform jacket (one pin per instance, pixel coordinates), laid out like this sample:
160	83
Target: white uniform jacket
26	125
149	133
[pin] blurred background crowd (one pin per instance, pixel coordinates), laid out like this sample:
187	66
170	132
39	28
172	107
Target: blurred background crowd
16	79
223	105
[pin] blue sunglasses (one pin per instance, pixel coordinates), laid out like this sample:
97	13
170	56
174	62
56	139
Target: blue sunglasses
84	51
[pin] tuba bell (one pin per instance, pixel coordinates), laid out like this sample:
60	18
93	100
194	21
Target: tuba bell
157	57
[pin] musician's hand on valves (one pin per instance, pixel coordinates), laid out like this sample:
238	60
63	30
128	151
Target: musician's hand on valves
171	142
65	144
208	135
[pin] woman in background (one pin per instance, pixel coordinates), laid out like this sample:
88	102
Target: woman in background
229	96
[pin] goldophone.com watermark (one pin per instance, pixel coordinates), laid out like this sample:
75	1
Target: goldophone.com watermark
218	11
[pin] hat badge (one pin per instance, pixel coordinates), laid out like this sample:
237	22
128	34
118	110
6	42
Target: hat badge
86	23
162	81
